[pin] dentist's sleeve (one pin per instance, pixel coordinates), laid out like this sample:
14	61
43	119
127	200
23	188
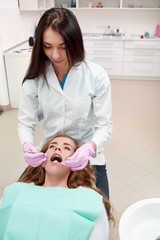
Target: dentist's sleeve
28	112
102	109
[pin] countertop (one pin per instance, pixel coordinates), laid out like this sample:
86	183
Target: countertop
129	37
25	50
22	48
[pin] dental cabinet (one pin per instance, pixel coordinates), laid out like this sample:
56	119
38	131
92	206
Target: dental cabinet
108	54
121	58
141	58
126	58
16	64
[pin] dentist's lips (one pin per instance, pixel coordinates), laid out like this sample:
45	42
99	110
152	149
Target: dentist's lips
56	158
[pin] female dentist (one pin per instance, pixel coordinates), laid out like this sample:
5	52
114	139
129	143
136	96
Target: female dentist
73	94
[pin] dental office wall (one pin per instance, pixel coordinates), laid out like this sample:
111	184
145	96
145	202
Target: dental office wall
16	27
131	21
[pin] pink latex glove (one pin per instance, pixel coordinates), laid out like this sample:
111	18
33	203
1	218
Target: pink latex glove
79	159
31	156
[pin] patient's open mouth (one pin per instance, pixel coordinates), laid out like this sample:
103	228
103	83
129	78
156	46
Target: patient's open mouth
56	158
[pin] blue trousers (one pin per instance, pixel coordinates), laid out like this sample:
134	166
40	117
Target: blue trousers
102	179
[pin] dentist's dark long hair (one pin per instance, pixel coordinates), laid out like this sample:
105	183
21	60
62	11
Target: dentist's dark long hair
65	23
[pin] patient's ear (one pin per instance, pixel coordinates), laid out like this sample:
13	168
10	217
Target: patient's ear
44	164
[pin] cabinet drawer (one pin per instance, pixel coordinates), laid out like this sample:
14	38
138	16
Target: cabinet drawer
141	69
142	52
112	68
142	59
104	51
103	43
142	44
104	58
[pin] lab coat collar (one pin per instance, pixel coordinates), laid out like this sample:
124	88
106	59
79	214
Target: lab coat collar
52	77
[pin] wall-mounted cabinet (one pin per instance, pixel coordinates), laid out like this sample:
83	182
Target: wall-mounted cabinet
120	4
147	4
34	5
85	4
94	4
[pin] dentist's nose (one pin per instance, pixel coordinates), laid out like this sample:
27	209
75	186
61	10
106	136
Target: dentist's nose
55	54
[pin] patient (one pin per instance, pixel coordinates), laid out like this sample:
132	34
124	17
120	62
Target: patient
52	202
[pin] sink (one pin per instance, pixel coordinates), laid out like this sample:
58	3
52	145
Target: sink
141	221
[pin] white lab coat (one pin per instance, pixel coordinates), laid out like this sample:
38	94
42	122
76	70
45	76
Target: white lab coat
82	109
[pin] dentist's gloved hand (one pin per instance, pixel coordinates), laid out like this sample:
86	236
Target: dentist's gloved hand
31	156
79	159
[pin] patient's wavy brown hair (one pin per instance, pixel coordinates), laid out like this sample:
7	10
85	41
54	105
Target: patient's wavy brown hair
85	177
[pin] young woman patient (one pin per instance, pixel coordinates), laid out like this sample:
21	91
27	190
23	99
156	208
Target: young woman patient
52	202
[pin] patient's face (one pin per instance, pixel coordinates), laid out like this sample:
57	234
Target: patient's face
62	147
59	149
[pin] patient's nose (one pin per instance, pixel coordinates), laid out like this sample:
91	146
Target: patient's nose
57	149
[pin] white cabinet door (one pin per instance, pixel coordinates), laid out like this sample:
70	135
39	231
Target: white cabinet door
16	67
142	44
141	69
142	58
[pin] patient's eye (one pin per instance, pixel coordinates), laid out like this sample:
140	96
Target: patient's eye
67	148
52	146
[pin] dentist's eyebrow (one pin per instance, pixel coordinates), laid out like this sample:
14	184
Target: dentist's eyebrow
61	44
